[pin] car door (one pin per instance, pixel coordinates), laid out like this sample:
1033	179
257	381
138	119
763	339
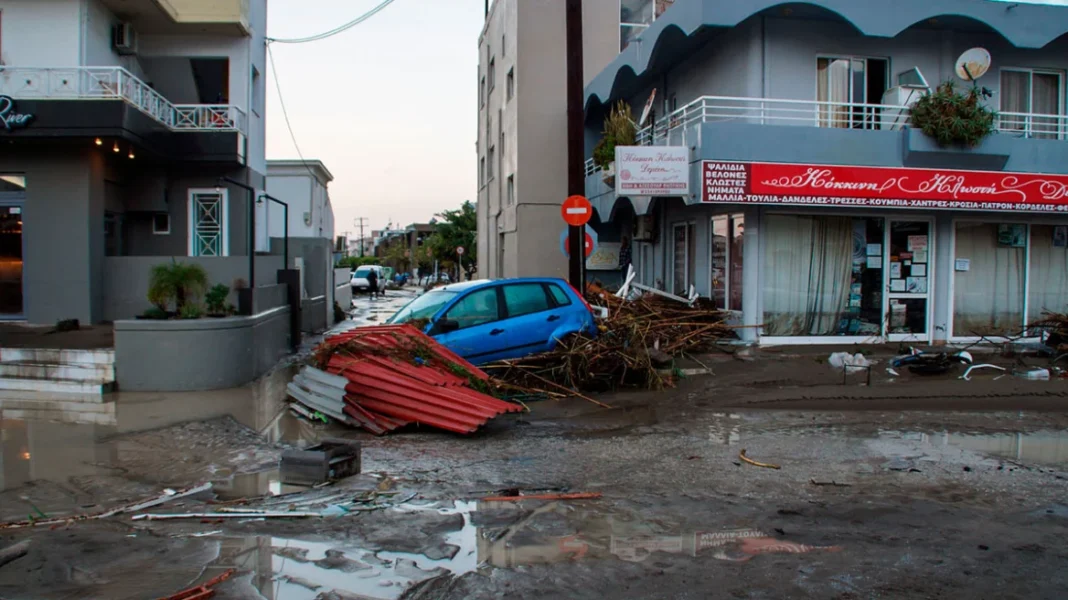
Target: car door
479	334
531	318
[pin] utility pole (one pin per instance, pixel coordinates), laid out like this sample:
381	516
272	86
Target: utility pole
576	174
359	221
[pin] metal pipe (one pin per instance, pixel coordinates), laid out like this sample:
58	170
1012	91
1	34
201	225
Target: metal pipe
251	229
285	227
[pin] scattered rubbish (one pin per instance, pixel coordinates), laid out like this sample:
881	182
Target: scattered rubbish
574	496
202	591
226	515
897	464
845	360
1033	374
830	483
968	372
14	552
746	459
115	511
967	469
931	363
633	342
984	547
892	372
330	460
387	377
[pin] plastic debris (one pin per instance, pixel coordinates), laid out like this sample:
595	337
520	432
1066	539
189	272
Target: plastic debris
845	360
966	377
1035	374
745	458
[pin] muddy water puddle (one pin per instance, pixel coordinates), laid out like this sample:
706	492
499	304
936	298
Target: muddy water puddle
1047	447
493	535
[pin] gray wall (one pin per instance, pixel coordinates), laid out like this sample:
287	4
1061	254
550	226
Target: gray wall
314	316
126	278
200	354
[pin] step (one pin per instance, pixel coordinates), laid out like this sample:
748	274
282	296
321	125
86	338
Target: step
71	403
54	386
62	416
103	356
18	397
86	373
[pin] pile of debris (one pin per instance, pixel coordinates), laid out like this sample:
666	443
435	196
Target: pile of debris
388	377
1056	325
636	340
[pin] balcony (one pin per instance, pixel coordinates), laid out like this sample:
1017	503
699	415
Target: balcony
115	83
161	16
674	128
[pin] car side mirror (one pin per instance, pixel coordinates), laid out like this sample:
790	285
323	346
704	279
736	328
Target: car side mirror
448	325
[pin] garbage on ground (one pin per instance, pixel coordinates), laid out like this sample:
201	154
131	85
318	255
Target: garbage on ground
633	343
203	590
65	520
330	460
14	552
847	361
247	514
1055	326
932	363
562	496
968	372
746	459
1033	374
387	377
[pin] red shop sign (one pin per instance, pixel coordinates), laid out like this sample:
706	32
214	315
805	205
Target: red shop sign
886	187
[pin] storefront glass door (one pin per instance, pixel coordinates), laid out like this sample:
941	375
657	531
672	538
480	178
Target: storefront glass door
11	261
907	264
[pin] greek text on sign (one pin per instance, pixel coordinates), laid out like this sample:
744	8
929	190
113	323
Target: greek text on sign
652	171
834	185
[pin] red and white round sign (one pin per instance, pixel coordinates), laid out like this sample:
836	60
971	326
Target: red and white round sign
460	250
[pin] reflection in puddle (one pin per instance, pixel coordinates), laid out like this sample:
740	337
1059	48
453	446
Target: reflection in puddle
493	535
1041	447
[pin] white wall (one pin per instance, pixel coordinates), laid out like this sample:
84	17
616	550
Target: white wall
41	33
297	192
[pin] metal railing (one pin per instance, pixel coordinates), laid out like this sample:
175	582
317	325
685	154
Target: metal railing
672	128
104	83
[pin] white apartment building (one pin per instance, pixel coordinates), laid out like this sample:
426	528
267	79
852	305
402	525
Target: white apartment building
302	184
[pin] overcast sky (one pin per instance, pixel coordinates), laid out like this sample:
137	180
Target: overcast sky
388	106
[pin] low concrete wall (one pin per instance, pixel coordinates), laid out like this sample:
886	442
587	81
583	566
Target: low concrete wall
126	278
313	313
198	354
268	297
343	296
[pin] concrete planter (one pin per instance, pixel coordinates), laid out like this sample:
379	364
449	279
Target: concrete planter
199	354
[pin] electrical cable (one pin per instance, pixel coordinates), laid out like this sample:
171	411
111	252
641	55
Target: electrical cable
336	30
285	114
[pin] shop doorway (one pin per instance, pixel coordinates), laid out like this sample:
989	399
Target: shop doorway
683	239
907	267
11	261
725	264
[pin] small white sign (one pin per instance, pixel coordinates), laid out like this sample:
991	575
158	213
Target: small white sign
652	171
963	264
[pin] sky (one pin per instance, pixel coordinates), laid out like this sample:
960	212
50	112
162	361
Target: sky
389	106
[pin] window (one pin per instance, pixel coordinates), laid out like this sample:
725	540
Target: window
504	49
482	171
482	92
12	183
161	224
635	16
988	297
559	295
477	308
510	198
848	83
509	84
208	235
1028	93
726	262
489	164
525	298
492	74
255	94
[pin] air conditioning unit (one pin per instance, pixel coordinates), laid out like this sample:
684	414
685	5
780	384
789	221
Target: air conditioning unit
644	229
124	39
904	96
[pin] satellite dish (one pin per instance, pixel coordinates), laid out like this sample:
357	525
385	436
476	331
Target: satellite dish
973	64
648	108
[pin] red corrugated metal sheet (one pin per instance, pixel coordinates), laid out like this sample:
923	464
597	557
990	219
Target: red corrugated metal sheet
398	375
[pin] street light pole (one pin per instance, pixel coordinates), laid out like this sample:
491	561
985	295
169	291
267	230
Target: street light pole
576	175
359	221
251	227
285	227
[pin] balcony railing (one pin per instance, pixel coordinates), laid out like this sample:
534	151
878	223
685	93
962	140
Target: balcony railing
105	83
672	128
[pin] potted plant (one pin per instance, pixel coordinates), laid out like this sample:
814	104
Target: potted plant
177	282
619	130
215	300
953	118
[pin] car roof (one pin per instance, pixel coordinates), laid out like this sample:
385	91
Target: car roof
478	283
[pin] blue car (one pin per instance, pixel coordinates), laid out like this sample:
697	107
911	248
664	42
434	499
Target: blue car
486	320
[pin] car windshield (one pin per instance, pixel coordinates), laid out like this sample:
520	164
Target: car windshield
362	272
423	307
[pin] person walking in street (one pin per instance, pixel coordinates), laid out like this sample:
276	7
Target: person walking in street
372	283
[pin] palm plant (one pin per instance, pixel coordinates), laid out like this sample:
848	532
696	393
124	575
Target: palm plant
177	281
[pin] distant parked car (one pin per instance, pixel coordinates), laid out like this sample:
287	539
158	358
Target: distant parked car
359	278
486	320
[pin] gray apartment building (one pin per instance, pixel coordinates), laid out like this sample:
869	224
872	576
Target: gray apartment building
117	119
794	189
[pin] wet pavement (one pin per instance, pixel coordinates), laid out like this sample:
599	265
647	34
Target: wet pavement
864	504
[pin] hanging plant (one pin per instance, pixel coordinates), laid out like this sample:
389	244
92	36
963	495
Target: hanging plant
952	117
619	130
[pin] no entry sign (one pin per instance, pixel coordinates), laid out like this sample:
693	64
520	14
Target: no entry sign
589	243
576	211
460	250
